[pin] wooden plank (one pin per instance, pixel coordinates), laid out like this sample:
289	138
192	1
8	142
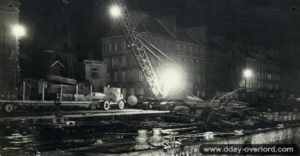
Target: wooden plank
43	102
87	115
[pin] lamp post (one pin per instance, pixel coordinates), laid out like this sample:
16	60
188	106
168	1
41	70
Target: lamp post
18	31
247	74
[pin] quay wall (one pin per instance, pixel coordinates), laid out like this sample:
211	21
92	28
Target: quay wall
284	135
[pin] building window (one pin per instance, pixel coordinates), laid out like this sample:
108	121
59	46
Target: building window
196	53
132	91
192	65
115	76
136	75
124	45
124	60
195	77
190	51
130	75
95	73
109	47
199	79
178	48
106	48
140	75
116	46
140	91
183	49
123	76
113	63
124	92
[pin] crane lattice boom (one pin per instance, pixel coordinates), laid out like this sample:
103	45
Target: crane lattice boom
138	48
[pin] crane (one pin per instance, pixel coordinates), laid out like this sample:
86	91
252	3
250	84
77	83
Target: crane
138	48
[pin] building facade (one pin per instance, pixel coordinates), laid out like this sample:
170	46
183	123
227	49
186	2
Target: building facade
266	79
95	74
179	45
9	49
209	65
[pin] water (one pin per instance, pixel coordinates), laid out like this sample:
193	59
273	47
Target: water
18	139
87	137
92	137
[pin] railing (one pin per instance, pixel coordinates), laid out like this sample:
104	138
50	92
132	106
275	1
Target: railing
61	92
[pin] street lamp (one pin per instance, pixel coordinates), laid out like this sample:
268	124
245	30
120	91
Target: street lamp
115	11
247	74
18	31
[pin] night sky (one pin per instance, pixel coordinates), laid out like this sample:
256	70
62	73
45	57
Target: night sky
271	23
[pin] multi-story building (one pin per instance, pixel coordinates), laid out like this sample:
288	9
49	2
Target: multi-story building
9	51
180	45
210	66
266	78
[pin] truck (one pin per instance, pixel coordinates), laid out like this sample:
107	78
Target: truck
111	97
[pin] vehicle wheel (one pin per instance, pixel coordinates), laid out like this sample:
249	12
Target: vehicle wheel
121	104
8	108
106	105
93	106
99	105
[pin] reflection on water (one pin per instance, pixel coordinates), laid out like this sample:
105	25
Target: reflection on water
61	139
113	136
16	139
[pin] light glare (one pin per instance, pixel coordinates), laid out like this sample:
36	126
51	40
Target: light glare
18	30
115	11
248	73
171	78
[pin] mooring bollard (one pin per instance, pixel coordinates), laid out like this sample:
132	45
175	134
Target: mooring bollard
294	116
141	139
285	116
280	116
271	116
276	116
71	123
208	135
156	139
264	115
290	114
157	134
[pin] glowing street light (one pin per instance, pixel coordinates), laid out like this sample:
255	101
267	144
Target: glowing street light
115	11
18	30
247	74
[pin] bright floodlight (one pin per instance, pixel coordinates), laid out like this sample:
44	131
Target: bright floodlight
115	11
18	30
248	73
171	78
